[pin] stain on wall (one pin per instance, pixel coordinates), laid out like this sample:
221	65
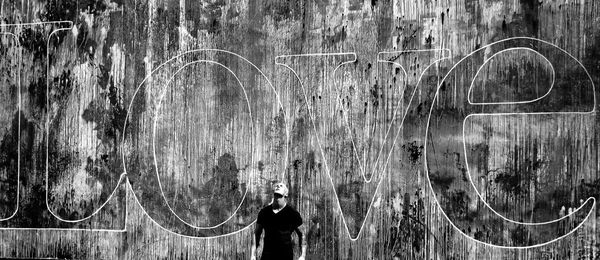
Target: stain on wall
405	129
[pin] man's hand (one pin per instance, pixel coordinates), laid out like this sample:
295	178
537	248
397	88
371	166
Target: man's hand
303	252
257	233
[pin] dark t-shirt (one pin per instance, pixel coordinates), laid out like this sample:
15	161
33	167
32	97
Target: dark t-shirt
278	230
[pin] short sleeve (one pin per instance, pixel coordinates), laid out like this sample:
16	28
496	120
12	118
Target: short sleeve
261	217
297	219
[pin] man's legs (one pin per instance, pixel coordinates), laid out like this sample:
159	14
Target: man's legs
286	253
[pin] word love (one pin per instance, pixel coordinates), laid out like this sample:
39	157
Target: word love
411	104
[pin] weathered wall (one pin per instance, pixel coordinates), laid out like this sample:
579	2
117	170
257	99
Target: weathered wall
153	129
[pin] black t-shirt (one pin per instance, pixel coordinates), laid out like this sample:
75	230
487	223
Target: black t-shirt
278	227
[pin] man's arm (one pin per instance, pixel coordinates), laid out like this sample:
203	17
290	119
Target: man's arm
257	233
301	243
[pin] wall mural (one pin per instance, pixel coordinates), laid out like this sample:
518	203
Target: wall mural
419	129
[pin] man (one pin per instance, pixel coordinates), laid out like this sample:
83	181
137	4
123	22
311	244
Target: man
278	220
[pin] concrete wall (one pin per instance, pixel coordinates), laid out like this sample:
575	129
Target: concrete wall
425	129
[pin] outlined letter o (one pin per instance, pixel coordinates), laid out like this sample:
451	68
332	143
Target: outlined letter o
198	127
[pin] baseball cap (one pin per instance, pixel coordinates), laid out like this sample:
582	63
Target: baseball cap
280	188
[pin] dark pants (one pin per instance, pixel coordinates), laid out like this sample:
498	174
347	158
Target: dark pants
286	253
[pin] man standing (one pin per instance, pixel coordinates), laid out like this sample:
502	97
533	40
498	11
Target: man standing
278	220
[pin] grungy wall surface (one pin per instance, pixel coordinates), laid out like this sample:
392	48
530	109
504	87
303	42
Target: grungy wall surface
405	129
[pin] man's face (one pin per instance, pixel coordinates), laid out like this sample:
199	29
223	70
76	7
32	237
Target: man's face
279	189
